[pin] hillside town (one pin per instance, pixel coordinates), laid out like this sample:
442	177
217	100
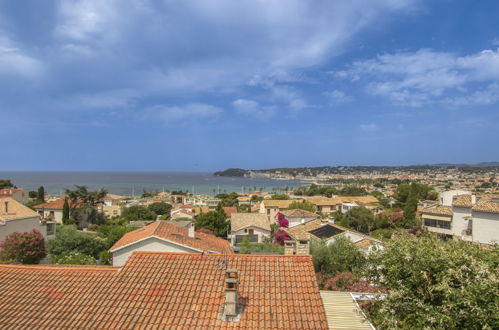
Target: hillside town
249	247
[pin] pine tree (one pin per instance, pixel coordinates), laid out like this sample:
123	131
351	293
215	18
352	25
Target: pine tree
65	211
41	194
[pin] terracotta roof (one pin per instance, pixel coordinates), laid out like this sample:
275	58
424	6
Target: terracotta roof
54	205
255	207
298	213
324	201
163	290
229	210
243	220
439	210
175	234
302	231
15	210
487	203
112	196
281	204
462	201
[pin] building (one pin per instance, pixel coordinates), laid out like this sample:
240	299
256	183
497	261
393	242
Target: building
271	207
322	229
466	216
20	195
15	217
328	205
51	210
298	216
163	236
166	291
253	226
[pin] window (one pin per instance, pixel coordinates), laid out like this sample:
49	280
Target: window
437	223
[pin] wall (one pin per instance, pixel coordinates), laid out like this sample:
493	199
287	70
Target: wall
57	215
459	223
257	231
150	244
296	221
445	198
485	227
21	226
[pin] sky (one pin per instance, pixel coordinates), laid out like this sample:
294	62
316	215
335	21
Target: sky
143	85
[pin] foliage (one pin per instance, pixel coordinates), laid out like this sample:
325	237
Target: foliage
360	219
339	256
148	194
65	211
280	236
433	284
83	202
281	197
282	221
160	208
40	195
216	221
303	205
228	199
138	213
248	248
68	238
5	183
26	248
353	191
378	194
73	258
315	190
165	216
106	257
112	233
33	194
422	191
382	234
346	281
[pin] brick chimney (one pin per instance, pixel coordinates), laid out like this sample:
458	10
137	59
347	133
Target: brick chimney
231	297
6	208
191	230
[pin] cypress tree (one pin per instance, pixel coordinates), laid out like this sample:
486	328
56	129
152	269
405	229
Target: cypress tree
65	211
41	194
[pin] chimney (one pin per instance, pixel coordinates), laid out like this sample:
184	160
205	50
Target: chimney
191	230
231	284
289	247
6	207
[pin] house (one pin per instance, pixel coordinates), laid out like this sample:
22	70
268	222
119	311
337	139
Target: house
322	229
182	214
465	216
271	207
166	291
15	217
111	199
298	216
254	226
20	195
51	210
228	210
328	205
112	205
162	236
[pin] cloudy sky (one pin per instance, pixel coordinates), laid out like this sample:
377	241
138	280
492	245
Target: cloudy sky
206	85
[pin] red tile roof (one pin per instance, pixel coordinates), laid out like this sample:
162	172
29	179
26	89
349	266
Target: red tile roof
54	205
164	290
228	210
175	234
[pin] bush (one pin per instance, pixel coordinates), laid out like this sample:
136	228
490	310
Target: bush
433	284
346	281
280	236
160	208
112	233
106	257
70	239
303	205
73	258
138	213
248	248
26	248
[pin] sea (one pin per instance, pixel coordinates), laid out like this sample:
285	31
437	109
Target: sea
134	183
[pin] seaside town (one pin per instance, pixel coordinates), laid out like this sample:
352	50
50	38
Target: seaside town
327	250
249	164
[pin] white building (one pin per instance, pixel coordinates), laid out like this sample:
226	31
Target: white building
254	226
163	236
15	217
469	217
298	216
18	194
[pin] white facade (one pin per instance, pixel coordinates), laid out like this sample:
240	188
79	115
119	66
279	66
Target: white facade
298	221
26	225
485	227
251	230
54	214
153	244
445	198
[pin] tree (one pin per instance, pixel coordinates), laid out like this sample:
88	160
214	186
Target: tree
26	248
410	208
33	194
353	191
40	195
160	208
360	219
228	199
138	213
83	203
73	258
303	205
5	184
112	233
216	221
336	257
68	238
432	284
65	211
280	197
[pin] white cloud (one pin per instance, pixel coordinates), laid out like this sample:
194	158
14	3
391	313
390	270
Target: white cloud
253	108
14	61
425	76
371	127
336	96
189	112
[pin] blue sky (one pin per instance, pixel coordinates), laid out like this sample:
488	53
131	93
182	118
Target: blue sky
207	85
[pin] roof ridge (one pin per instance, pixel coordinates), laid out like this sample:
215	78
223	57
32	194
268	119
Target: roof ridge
63	267
229	255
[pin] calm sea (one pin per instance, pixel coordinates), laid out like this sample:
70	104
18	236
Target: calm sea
136	182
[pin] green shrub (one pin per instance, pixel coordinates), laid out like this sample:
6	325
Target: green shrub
68	238
106	257
73	258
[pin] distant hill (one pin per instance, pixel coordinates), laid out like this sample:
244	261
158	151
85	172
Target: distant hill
313	171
